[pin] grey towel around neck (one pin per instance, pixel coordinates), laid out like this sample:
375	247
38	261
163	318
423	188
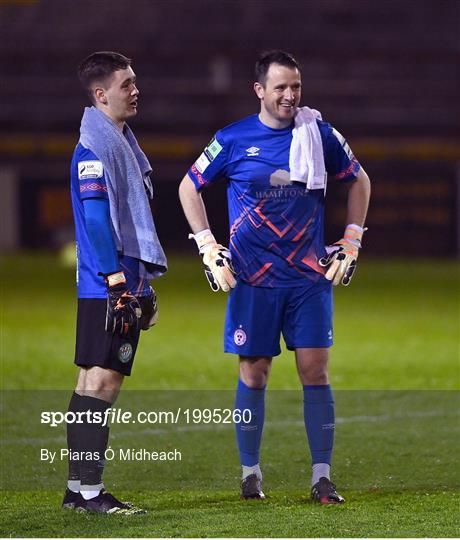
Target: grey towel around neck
127	172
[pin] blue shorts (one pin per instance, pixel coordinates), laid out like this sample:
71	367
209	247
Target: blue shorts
256	316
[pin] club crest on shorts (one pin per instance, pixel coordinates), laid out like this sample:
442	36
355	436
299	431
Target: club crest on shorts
125	353
239	337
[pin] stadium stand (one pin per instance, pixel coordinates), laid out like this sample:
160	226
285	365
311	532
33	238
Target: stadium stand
385	73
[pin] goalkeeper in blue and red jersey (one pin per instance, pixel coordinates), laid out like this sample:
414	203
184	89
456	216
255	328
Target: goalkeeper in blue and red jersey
277	270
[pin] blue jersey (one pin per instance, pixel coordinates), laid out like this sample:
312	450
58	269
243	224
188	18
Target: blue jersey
276	227
87	181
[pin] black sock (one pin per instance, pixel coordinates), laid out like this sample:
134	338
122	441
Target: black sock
72	439
93	439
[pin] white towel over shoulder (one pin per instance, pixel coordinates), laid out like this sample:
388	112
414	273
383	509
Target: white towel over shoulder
306	158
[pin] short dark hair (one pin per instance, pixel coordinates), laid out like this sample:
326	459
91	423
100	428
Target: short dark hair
99	66
273	57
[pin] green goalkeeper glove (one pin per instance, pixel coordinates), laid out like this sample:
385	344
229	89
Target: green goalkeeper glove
123	309
217	261
342	256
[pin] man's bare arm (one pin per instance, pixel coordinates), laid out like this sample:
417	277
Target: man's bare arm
193	205
341	259
217	259
358	199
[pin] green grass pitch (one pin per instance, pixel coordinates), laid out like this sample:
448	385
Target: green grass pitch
394	369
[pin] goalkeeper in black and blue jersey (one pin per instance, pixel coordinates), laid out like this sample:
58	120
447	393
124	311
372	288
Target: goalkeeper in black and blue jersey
116	258
277	270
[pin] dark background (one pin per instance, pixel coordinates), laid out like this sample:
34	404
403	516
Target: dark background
385	74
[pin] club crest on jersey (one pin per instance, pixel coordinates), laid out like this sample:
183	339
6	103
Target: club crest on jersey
239	337
252	151
125	353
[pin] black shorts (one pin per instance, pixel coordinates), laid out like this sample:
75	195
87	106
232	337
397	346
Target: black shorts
96	347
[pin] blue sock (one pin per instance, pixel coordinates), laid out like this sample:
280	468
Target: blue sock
249	435
319	416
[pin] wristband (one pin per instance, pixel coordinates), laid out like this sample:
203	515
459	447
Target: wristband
115	279
203	239
354	234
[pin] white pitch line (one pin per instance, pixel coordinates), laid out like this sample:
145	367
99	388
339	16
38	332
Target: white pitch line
210	427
